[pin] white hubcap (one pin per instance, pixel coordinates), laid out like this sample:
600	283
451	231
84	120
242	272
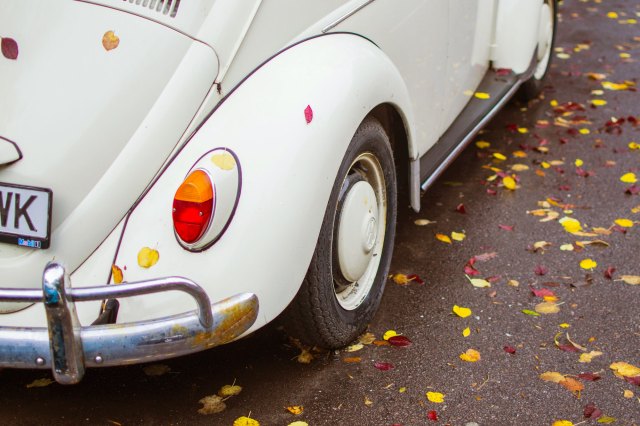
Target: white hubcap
358	230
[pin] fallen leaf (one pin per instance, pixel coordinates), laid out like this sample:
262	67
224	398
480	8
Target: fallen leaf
588	264
566	247
245	421
383	366
608	273
305	357
482	95
298	423
471	355
443	238
212	404
367	401
483	144
572	385
510	350
499	156
479	282
461	209
461	311
530	312
296	410
156	369
110	41
229	390
399	341
606	419
591	412
625	223
590	377
352	360
400	279
623	369
423	222
147	257
588	357
116	273
432	415
308	114
40	383
562	423
509	183
570	224
9	48
388	334
540	270
458	236
547	308
436	397
552	376
630	279
466	332
629	178
367	338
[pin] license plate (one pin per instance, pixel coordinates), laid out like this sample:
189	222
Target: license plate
25	215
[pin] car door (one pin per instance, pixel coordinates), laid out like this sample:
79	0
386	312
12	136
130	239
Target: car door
469	42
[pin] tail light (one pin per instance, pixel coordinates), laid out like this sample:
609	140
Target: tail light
193	206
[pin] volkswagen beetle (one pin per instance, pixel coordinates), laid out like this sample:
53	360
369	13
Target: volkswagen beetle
177	174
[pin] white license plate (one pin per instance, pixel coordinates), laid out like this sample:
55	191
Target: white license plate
25	215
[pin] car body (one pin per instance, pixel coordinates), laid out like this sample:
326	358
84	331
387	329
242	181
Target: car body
112	104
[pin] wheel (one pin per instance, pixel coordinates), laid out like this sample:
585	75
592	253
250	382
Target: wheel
531	88
347	275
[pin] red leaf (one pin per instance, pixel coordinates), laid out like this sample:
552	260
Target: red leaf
432	415
568	348
591	412
589	377
542	292
608	274
493	278
493	191
633	380
460	208
564	188
308	114
503	71
470	270
506	227
383	366
510	350
484	256
540	270
633	190
9	48
399	341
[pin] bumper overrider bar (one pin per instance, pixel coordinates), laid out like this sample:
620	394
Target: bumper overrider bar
67	348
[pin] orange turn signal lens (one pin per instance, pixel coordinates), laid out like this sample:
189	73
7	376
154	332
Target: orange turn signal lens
193	206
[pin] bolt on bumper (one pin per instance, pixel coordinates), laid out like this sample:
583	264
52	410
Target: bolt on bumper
67	348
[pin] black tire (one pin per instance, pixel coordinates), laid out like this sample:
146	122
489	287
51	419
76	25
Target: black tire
316	315
532	88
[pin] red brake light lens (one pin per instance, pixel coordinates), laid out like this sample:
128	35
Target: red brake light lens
193	206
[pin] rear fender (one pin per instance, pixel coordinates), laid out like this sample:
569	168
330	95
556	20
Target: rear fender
516	36
288	160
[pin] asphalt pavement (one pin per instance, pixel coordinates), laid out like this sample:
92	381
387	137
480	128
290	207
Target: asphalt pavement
564	157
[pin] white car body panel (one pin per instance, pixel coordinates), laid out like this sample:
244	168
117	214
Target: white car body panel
236	74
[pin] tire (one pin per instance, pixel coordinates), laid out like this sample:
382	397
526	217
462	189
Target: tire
532	88
333	306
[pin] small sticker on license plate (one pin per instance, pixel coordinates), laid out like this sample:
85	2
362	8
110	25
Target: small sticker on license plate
25	215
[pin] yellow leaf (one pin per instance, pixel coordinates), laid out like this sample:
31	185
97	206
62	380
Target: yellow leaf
614	86
116	273
354	348
436	397
367	338
461	311
483	144
563	55
147	257
566	247
564	325
545	165
479	282
624	369
298	423
612	15
458	236
509	183
400	279
402	389
547	308
388	334
471	355
443	238
40	383
367	401
513	283
579	162
423	222
570	224
519	154
627	393
466	332
630	279
482	95
562	423
229	390
584	131
295	409
211	404
625	55
625	223
523	130
553	103
224	161
588	264
629	178
305	357
110	41
519	167
499	156
598	102
634	145
588	357
352	359
245	421
552	376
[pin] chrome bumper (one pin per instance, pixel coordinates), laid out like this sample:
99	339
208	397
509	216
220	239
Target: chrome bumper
67	348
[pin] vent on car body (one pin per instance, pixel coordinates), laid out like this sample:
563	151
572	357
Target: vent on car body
166	7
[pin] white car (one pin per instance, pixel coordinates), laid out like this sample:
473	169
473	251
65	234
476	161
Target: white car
177	174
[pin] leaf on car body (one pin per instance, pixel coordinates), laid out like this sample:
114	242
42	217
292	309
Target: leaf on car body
9	48
147	257
110	40
117	274
308	114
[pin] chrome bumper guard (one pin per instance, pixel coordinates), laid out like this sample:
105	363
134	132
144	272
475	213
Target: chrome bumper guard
67	348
